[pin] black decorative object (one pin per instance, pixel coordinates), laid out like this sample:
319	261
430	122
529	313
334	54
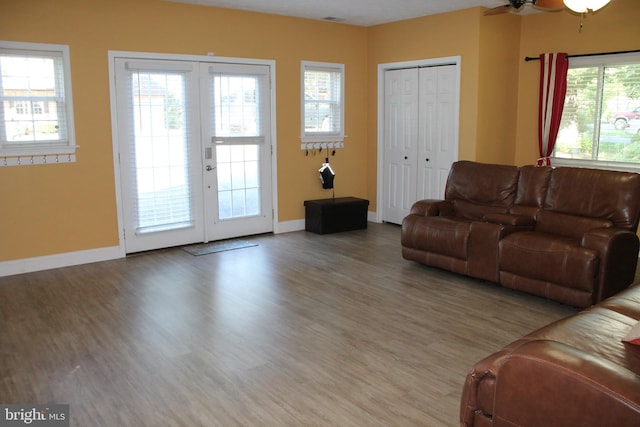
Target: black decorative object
326	174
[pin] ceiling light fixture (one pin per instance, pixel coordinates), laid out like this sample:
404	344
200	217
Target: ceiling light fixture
584	6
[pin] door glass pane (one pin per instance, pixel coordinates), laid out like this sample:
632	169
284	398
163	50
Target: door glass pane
238	181
238	133
161	156
236	106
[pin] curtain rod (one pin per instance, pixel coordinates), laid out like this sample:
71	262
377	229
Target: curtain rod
537	58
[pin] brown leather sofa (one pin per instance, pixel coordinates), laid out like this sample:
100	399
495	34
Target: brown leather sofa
573	372
564	233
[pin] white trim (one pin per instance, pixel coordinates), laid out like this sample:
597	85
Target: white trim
55	147
28	265
46	159
289	226
318	137
209	58
595	164
382	68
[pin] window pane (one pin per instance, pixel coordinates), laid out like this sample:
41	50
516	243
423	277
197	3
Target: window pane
33	98
161	146
601	117
575	137
236	106
238	180
322	100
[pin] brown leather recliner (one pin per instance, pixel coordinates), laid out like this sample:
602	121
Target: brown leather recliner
568	234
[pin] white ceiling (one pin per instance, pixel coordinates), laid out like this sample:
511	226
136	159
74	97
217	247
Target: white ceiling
355	12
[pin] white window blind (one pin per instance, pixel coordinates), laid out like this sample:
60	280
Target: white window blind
322	102
36	113
239	95
159	131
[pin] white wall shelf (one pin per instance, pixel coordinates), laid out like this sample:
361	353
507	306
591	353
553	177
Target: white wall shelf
321	146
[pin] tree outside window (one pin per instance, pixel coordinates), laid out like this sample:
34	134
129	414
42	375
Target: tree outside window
601	116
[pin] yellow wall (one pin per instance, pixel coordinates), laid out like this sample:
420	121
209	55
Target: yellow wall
497	85
436	36
64	208
72	207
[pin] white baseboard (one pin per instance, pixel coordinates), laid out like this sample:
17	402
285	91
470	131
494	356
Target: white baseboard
288	226
28	265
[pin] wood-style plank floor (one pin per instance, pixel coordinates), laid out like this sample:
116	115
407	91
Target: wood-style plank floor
301	330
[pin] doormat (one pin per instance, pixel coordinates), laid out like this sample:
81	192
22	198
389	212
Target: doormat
214	247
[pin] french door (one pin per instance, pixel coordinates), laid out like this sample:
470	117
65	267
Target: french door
195	151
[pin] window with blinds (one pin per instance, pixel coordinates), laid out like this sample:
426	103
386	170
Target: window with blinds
36	113
160	161
601	117
322	102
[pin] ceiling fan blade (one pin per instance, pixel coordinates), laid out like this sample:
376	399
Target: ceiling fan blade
497	10
548	5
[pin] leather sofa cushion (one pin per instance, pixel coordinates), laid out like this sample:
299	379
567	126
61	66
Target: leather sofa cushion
482	184
473	211
596	331
572	226
443	235
549	258
532	185
626	302
530	211
509	219
587	192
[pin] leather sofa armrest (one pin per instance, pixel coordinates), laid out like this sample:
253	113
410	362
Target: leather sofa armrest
479	388
431	207
618	251
544	383
510	219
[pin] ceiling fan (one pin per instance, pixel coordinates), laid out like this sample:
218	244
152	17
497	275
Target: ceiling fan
516	6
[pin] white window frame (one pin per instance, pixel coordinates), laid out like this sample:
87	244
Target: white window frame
322	136
594	61
65	147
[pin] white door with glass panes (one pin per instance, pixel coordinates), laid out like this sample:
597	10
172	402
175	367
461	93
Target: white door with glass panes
195	151
236	128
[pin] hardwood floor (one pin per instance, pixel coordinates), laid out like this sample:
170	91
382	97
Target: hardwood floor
301	330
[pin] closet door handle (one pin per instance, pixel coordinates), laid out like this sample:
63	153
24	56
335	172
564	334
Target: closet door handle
426	160
405	157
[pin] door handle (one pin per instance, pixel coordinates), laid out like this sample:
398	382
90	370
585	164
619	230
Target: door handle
209	168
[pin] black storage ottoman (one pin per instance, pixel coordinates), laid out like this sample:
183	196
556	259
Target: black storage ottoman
325	216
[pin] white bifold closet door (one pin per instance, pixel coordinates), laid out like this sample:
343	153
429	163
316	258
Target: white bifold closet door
419	136
195	151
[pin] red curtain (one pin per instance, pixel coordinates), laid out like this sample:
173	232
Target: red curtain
553	88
